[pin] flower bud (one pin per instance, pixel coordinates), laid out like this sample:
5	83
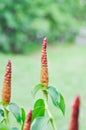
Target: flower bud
44	67
74	124
6	90
27	123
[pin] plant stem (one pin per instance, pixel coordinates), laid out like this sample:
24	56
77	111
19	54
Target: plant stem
48	111
22	126
6	112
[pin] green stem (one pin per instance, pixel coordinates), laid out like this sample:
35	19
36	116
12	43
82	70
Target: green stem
48	111
6	112
22	126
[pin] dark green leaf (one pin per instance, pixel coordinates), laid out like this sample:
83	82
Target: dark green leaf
37	88
38	112
62	104
1	112
14	108
39	103
40	123
23	115
39	109
1	115
57	98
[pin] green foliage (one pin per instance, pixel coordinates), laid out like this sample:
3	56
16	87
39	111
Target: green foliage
37	88
23	115
62	104
39	109
1	115
57	98
14	108
24	23
18	113
1	112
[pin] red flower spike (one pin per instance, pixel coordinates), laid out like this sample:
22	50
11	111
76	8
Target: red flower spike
27	123
44	67
6	90
74	124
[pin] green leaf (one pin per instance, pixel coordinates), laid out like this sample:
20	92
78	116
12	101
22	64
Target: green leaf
1	115
14	108
57	98
39	103
23	115
1	112
62	104
37	88
40	123
39	109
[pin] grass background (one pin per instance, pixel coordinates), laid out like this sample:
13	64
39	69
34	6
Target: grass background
67	72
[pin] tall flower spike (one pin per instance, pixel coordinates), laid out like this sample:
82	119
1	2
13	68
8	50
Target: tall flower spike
27	123
44	67
74	124
6	90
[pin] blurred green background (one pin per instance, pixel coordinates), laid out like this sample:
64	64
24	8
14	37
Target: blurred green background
23	25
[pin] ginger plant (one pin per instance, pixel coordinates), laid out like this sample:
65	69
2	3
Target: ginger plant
56	97
6	106
40	115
